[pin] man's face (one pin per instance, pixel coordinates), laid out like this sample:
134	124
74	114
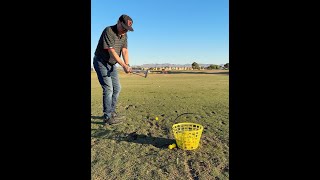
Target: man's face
121	29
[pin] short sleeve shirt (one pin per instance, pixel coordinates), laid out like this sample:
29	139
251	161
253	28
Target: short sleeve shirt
110	39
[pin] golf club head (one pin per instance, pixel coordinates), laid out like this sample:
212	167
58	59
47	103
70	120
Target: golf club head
146	73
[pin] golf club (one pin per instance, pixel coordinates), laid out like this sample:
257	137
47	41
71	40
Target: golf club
137	72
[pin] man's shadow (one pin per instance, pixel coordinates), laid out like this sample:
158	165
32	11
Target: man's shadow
133	137
100	118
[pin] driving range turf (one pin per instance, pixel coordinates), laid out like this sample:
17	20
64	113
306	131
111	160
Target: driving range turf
138	147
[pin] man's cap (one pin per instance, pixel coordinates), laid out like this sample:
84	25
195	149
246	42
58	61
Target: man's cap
126	22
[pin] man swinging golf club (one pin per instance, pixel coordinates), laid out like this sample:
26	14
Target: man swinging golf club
112	44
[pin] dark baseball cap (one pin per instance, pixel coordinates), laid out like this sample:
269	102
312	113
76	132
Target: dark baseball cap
126	22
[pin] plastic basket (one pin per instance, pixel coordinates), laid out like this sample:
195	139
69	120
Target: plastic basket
187	135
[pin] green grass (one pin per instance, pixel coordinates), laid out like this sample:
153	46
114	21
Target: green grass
138	148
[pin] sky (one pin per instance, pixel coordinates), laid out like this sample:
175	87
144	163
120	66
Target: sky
168	31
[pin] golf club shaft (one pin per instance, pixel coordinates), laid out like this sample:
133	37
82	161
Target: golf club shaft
136	72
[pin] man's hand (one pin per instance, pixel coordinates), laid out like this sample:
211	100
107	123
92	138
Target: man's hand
127	69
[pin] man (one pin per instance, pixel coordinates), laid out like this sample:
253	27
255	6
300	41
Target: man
112	44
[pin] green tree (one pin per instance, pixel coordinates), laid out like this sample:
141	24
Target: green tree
195	65
226	66
213	66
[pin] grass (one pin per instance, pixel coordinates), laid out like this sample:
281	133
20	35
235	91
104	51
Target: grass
138	148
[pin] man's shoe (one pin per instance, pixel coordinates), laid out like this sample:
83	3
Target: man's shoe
105	118
115	115
111	121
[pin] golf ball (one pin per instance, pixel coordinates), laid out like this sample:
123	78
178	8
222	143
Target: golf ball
157	118
172	146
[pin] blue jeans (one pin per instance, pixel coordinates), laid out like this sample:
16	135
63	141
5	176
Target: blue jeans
109	81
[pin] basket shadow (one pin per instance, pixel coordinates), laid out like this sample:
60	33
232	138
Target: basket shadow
133	137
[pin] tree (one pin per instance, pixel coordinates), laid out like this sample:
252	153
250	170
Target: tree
213	66
226	66
195	65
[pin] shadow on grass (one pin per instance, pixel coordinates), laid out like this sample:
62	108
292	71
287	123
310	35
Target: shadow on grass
133	137
197	72
97	117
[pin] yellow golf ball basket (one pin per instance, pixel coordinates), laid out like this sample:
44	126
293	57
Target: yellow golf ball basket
187	135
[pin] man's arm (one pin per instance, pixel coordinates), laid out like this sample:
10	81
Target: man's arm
125	54
115	56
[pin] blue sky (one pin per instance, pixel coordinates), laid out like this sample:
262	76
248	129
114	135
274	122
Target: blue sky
168	31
